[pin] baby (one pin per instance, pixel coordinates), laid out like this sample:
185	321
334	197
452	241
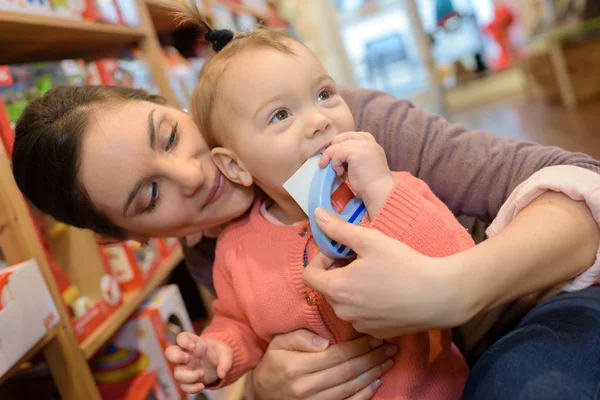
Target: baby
265	105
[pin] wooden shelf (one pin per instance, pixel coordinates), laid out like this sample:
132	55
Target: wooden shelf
32	352
242	9
131	301
30	38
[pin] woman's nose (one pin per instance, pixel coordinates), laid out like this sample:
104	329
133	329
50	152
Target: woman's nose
189	176
320	124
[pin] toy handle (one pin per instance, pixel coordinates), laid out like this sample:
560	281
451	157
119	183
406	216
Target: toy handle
320	191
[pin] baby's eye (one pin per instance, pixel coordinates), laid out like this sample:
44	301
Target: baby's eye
324	95
280	116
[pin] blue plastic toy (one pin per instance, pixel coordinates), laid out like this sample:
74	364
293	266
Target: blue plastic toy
321	188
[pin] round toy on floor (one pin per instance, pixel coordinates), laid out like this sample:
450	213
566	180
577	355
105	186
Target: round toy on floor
118	364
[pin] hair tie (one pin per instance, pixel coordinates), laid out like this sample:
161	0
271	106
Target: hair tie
219	38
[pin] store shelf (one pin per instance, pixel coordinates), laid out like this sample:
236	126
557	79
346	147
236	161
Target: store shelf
131	301
31	38
32	352
242	9
162	16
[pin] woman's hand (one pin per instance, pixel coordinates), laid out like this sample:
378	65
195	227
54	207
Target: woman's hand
390	289
301	365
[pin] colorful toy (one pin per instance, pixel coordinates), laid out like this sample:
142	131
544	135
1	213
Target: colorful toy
498	30
313	187
116	364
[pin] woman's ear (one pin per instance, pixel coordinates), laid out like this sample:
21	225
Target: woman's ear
231	166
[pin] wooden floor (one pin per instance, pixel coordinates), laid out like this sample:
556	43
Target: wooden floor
530	119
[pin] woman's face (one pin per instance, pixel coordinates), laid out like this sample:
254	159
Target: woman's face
148	169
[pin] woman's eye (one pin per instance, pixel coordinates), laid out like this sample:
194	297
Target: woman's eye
153	198
324	95
172	138
280	116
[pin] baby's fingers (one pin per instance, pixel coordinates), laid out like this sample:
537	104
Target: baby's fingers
187	341
176	355
193	388
184	374
337	154
225	361
342	137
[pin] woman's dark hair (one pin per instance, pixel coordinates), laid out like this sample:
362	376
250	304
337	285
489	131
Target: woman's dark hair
47	152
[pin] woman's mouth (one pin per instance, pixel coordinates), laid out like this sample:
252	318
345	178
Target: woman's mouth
217	189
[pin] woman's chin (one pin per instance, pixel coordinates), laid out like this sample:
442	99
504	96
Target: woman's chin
232	204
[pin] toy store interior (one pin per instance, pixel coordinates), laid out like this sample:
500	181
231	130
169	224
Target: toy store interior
85	318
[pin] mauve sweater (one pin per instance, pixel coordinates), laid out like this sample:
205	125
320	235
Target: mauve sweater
472	172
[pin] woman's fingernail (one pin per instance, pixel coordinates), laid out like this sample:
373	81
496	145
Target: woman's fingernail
387	365
320	342
322	214
375	385
390	351
375	343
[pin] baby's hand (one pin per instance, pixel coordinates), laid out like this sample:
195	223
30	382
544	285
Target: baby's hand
199	361
368	171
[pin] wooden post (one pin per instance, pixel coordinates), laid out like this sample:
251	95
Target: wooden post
152	51
426	54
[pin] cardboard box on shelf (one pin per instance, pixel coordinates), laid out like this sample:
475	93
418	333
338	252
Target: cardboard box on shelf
27	311
132	263
146	334
98	294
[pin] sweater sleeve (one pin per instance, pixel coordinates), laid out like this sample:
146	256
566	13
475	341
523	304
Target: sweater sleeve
472	172
230	324
413	215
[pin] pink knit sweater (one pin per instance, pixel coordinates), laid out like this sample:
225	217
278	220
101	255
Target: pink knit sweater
258	279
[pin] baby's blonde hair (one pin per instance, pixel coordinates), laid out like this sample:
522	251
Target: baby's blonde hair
208	108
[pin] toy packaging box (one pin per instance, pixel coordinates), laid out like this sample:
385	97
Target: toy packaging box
168	303
132	263
140	345
27	311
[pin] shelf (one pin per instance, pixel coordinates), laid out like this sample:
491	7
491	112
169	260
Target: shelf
162	18
32	352
30	38
131	301
242	9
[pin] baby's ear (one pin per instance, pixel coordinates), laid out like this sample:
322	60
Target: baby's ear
231	166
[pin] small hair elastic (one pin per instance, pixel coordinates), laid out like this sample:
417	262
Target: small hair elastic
219	38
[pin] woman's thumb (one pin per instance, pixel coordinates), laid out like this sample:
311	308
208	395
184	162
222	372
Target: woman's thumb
300	340
341	231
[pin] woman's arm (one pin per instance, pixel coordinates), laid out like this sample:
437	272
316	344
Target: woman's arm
472	172
548	242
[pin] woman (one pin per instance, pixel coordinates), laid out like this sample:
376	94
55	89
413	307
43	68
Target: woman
121	163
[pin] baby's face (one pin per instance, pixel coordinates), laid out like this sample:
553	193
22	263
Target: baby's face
285	109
